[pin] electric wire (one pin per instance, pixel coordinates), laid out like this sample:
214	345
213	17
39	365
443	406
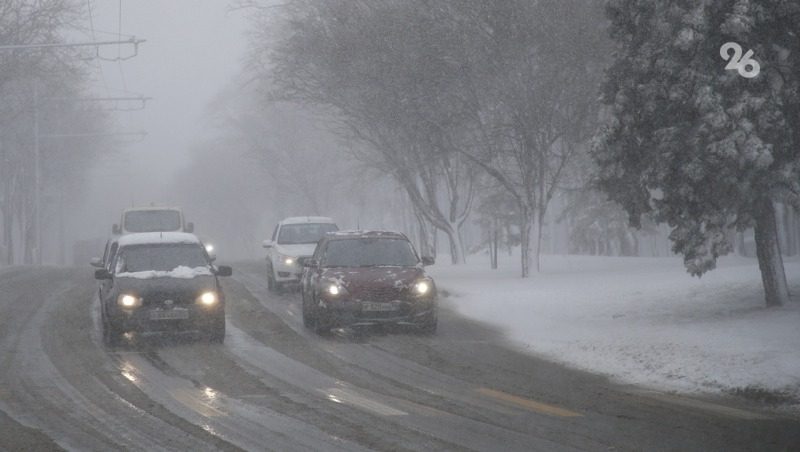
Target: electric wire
119	48
94	38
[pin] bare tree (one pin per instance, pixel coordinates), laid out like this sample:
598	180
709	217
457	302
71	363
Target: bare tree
29	81
372	65
529	76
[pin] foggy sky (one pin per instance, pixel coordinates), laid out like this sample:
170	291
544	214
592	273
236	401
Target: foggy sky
193	49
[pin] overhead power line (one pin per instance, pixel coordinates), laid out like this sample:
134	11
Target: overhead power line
96	44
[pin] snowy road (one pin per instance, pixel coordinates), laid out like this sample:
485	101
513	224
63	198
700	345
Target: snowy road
275	386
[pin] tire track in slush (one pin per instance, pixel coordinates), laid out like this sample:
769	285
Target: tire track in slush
87	416
464	431
245	425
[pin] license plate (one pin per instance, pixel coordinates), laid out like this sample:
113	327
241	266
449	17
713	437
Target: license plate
380	307
169	314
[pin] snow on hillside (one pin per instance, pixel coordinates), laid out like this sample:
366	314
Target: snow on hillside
641	320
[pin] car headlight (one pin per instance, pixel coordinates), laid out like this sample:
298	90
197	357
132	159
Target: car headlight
208	298
287	260
334	289
209	248
128	301
422	287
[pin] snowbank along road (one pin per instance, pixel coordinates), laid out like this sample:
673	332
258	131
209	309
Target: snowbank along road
275	386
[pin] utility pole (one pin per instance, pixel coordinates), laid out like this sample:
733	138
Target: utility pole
37	251
37	178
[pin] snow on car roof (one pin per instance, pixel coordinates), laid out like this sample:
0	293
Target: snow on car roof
297	220
134	209
151	238
367	233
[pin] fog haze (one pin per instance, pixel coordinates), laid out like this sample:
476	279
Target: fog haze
193	49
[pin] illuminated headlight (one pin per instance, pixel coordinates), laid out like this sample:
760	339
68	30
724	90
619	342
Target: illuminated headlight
208	299
334	290
209	248
128	301
287	260
422	287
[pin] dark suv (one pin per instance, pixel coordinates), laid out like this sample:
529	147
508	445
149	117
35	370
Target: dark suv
161	282
365	278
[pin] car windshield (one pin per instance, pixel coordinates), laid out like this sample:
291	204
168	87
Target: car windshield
294	234
369	252
152	220
164	257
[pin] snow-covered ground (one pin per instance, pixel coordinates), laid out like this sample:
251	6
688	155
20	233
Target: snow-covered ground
643	321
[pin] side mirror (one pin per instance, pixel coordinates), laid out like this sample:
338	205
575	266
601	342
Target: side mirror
189	227
310	263
102	273
428	260
224	270
266	244
96	262
115	229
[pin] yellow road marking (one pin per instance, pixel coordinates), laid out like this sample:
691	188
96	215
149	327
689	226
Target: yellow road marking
528	404
702	405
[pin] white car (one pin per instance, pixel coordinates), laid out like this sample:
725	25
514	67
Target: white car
293	240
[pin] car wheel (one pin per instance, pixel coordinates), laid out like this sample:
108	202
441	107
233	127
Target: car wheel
112	336
308	319
321	325
270	278
216	332
429	325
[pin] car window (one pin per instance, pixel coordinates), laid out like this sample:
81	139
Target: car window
293	234
318	249
152	220
369	252
164	257
105	252
111	255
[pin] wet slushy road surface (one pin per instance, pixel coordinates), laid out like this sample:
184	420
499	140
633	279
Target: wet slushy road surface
274	385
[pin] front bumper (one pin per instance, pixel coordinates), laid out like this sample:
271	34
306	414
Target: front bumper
199	318
348	313
288	273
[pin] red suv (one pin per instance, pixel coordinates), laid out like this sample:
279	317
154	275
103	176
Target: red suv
360	278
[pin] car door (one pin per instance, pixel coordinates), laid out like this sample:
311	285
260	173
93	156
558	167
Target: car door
106	285
271	250
305	278
313	273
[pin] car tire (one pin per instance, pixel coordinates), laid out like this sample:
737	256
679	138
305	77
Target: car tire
112	336
429	325
270	278
320	325
308	319
216	332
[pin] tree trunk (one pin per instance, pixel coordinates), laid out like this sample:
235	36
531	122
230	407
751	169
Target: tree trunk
527	241
770	263
423	236
538	228
8	235
456	244
494	243
28	243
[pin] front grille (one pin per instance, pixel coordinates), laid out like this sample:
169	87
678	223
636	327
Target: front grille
380	294
158	299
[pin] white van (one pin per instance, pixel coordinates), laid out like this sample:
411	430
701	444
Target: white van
152	219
